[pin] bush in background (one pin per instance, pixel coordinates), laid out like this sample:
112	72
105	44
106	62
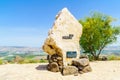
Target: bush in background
113	57
43	61
18	59
1	61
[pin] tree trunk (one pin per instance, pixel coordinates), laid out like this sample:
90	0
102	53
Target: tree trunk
96	57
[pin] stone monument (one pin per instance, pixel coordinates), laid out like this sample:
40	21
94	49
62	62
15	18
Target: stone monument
62	43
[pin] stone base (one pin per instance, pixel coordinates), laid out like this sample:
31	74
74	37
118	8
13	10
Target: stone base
55	63
82	65
69	70
79	65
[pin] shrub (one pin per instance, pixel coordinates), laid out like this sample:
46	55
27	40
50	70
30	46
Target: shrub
26	60
91	58
18	59
43	61
9	59
1	61
113	57
33	61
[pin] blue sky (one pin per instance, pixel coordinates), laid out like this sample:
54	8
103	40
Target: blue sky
26	22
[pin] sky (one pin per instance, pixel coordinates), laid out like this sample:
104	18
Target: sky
27	22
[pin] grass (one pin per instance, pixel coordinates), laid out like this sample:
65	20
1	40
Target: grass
31	59
43	61
109	57
26	61
113	57
1	61
20	59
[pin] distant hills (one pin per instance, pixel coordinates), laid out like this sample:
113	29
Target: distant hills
111	50
38	50
14	50
19	48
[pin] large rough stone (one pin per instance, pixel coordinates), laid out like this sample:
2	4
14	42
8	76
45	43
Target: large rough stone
84	56
64	35
69	70
53	67
56	60
87	69
80	62
104	58
82	65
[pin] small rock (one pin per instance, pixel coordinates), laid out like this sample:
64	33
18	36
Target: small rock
87	69
55	60
53	67
69	70
81	72
104	58
60	68
84	56
59	58
80	62
80	68
60	63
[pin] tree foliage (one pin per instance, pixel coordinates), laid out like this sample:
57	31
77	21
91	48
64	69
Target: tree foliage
97	33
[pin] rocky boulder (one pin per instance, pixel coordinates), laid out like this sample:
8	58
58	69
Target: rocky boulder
70	70
87	69
104	58
56	60
82	65
53	67
80	62
84	56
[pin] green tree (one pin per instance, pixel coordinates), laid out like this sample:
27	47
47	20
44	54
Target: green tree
97	33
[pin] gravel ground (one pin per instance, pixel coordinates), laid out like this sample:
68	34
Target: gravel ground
102	70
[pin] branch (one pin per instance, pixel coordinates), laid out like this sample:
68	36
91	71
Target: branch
102	46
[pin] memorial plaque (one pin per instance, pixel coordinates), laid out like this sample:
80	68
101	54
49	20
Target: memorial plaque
68	37
71	54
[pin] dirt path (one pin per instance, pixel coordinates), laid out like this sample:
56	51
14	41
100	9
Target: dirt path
106	70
